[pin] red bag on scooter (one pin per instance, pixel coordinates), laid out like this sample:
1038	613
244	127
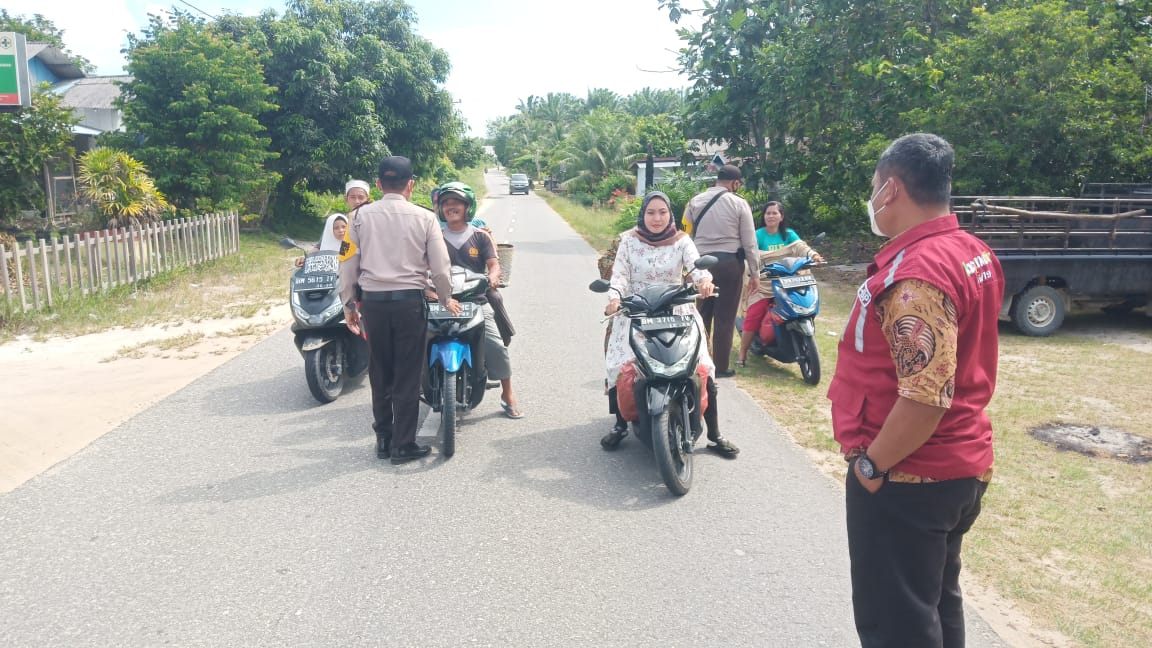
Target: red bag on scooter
626	395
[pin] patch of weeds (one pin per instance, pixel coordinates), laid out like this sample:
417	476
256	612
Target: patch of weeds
178	343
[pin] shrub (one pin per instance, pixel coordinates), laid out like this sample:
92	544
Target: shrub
120	187
615	182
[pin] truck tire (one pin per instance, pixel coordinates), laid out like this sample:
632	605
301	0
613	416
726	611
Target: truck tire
1038	311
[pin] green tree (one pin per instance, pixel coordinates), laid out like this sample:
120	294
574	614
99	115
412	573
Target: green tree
1040	99
355	83
31	137
663	133
602	142
654	102
194	102
804	89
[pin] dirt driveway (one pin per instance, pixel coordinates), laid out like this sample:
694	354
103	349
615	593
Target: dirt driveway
63	393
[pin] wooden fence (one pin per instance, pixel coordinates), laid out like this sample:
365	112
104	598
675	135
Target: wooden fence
37	275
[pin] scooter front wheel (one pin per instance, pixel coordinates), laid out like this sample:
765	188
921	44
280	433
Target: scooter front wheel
669	433
809	360
447	412
324	369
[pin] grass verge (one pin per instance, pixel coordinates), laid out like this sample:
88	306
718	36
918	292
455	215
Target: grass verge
1064	536
597	226
241	285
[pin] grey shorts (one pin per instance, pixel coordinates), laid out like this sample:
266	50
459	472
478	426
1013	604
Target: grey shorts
496	358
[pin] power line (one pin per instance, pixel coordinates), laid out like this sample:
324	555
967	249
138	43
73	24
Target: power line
198	9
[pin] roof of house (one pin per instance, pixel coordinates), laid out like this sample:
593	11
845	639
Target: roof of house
90	92
55	60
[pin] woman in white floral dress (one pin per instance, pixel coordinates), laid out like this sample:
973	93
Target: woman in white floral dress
655	253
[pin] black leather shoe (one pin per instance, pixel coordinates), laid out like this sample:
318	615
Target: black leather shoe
383	442
727	373
383	446
410	452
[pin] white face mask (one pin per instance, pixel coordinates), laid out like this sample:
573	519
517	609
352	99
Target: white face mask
872	212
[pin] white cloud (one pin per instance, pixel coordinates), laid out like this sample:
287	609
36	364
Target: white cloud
95	30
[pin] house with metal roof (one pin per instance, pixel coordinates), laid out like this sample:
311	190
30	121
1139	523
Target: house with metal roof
92	100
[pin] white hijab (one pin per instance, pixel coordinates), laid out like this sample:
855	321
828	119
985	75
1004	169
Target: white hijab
329	241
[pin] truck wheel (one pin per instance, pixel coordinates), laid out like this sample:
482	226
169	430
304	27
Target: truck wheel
1038	311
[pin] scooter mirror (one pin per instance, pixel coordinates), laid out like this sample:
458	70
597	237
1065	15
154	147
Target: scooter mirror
705	262
819	238
288	243
599	286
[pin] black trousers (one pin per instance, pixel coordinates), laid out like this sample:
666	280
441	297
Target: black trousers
396	333
728	276
904	542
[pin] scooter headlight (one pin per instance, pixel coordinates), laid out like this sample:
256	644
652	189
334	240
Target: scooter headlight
687	356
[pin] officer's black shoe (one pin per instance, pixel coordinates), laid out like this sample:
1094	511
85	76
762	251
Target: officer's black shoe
410	452
383	442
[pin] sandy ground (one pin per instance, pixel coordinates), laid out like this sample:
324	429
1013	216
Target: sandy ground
61	394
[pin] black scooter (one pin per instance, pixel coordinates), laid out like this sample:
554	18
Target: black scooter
332	353
667	388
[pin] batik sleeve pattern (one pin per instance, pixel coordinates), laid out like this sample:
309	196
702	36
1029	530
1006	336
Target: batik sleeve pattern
919	322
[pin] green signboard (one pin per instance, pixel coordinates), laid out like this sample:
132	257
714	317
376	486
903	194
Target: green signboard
14	91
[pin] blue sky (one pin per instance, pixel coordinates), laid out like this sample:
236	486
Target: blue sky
502	51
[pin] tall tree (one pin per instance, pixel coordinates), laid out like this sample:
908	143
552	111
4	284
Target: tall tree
194	103
602	142
1040	99
355	83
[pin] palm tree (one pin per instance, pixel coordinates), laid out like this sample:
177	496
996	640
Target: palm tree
120	187
602	98
600	144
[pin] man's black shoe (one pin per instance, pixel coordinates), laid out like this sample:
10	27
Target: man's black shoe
727	373
383	442
410	452
383	447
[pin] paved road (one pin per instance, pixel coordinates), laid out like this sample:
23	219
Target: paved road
238	512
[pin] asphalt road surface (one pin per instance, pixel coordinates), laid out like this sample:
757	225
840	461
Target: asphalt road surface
239	512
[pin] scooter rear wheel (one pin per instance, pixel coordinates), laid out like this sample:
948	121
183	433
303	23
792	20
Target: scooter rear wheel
669	433
324	370
447	412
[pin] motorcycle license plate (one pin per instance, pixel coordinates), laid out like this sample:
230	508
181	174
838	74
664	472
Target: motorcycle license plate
313	282
666	322
797	281
436	311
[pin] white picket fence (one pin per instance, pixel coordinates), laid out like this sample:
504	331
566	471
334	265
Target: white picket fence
37	275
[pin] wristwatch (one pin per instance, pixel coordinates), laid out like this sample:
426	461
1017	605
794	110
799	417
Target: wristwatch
869	469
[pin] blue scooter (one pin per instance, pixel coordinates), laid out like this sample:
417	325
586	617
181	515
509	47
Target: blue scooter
455	377
794	309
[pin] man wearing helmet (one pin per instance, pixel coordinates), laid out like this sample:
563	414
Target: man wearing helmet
470	247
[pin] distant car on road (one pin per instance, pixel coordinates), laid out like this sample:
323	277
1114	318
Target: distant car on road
518	183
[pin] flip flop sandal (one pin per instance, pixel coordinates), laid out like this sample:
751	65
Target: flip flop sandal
511	411
724	448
